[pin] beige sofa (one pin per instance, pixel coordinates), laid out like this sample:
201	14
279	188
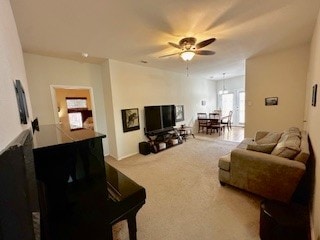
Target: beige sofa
270	165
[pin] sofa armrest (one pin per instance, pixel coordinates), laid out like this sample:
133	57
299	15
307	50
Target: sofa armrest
267	175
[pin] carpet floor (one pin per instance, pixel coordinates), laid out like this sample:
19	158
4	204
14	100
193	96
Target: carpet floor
184	198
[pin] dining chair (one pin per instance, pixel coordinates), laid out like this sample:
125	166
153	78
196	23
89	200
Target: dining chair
227	120
202	121
215	123
217	111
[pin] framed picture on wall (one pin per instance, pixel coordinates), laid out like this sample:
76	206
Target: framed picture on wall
130	119
22	103
271	101
314	95
179	113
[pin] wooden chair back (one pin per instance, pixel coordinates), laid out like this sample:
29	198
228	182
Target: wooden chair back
202	115
202	120
214	115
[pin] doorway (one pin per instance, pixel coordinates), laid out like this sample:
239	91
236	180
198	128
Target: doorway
73	107
234	101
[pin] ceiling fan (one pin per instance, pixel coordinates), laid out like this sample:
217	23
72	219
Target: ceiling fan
189	48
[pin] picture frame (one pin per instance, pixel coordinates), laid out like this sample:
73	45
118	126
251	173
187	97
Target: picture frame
271	101
130	119
179	113
22	102
314	95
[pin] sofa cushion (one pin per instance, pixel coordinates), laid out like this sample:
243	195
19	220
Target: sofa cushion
271	137
292	131
288	146
265	148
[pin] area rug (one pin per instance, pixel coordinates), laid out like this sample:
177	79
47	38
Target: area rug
184	197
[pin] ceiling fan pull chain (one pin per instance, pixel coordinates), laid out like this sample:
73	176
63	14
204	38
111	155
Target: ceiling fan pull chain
187	68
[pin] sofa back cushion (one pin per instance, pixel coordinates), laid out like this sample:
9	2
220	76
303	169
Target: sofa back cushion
288	145
270	137
293	131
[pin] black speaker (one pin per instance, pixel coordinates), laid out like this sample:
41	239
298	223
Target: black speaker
144	148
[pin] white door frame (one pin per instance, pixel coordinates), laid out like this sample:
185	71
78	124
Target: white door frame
54	100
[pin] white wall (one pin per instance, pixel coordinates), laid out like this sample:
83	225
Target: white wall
45	71
134	86
313	124
212	103
235	85
232	84
11	68
111	135
282	74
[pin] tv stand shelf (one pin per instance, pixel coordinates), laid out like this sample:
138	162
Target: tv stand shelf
163	140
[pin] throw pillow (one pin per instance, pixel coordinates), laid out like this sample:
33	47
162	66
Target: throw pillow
292	131
265	148
288	146
271	137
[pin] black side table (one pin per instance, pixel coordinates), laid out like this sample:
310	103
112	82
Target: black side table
281	221
185	131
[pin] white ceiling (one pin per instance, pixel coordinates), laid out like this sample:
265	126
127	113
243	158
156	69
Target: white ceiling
132	31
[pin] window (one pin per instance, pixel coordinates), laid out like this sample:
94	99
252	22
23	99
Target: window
76	103
242	107
226	103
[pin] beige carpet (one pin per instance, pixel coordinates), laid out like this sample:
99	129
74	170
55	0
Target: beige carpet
184	198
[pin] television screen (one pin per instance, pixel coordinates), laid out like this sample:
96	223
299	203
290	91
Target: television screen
159	118
153	118
168	116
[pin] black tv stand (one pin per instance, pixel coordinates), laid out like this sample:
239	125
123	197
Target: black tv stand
163	140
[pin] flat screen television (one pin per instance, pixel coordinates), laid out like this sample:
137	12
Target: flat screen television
159	118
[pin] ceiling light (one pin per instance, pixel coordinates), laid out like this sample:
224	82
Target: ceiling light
85	55
187	55
225	91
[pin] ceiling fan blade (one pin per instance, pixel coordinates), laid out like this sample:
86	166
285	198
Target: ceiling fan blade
204	52
174	45
169	55
205	43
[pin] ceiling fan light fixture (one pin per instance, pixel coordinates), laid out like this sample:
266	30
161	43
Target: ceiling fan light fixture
84	54
187	55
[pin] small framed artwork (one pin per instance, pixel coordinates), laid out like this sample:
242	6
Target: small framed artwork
314	95
271	101
179	113
130	119
22	103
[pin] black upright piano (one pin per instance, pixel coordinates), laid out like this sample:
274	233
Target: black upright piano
80	196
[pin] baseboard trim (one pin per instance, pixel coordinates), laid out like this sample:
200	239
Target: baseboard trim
129	155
